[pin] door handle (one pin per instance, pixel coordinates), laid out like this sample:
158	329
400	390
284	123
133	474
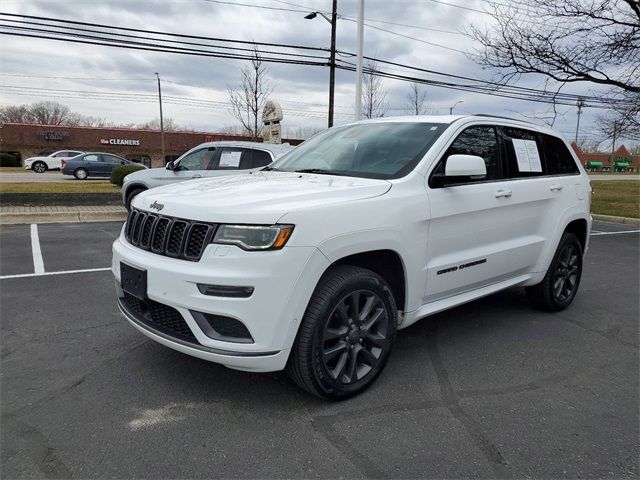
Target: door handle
503	194
197	175
555	187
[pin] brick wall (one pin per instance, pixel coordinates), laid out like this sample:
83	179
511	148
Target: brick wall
30	140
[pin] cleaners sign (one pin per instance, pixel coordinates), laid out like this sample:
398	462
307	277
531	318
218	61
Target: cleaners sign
120	141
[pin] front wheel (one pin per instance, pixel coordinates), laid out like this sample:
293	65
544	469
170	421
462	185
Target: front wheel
39	167
560	284
346	334
81	173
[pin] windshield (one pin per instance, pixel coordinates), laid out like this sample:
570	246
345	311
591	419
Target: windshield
373	150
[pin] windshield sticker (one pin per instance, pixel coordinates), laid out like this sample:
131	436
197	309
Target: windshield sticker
230	159
527	155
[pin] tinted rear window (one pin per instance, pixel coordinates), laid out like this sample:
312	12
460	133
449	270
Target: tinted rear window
559	159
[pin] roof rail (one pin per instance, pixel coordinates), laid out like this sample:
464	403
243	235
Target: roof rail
502	117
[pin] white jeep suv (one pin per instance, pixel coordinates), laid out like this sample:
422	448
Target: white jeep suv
314	262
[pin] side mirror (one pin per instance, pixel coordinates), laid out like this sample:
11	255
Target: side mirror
460	169
465	166
170	165
122	162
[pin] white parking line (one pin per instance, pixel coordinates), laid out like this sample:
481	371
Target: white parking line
613	233
38	263
62	272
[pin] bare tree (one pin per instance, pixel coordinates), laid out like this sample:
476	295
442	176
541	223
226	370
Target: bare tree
249	98
596	41
417	100
15	114
168	123
49	113
373	94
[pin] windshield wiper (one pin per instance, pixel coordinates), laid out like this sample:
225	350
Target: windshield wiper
269	169
322	171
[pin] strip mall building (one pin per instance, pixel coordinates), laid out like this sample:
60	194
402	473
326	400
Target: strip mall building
26	140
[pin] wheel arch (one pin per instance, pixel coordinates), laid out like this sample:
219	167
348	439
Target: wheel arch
386	263
132	187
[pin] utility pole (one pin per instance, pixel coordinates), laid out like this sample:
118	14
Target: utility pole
332	61
332	54
579	104
359	64
161	119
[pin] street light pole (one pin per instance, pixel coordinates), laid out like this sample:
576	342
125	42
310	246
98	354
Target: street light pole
332	55
451	107
161	119
332	61
359	63
579	104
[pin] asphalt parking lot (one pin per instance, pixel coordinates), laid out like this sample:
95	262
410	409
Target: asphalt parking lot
492	389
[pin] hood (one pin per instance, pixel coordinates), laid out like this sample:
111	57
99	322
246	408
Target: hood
258	197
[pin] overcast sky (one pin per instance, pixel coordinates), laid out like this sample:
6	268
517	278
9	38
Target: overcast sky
302	90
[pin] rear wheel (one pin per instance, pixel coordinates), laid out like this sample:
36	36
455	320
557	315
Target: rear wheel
81	173
560	284
131	194
346	334
39	167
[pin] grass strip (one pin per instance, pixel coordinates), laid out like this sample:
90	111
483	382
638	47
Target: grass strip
71	186
620	198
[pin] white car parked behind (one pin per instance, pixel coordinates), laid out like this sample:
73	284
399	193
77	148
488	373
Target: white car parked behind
50	162
211	159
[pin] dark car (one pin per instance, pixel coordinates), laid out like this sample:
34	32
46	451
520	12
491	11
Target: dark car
93	164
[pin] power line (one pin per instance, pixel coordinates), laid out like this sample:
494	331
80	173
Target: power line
479	86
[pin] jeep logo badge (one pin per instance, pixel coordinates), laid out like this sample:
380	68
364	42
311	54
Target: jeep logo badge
156	206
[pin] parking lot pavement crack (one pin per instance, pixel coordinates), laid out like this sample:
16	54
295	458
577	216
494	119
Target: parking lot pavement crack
524	387
36	444
368	469
492	454
80	380
611	334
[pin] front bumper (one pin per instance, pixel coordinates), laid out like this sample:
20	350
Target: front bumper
283	281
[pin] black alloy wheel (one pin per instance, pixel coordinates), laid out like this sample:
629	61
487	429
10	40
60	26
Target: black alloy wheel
560	284
346	334
355	336
565	277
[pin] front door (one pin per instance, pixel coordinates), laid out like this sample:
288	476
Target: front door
470	233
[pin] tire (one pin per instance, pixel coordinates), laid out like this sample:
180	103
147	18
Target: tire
39	167
335	355
131	194
81	173
560	284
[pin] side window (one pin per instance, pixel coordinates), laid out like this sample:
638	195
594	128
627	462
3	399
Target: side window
523	152
261	159
92	158
198	160
480	141
111	159
230	158
558	159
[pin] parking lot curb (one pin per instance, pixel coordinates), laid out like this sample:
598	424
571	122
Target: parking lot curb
22	215
614	219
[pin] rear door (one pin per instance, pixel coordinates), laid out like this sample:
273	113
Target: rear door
93	163
470	235
230	160
541	191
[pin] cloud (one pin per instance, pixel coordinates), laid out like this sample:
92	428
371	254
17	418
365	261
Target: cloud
302	90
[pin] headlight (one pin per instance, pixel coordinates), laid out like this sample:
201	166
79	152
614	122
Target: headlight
254	237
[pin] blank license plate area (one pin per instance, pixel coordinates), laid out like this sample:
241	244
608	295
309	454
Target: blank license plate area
134	281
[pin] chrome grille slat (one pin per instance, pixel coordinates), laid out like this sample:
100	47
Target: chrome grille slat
168	236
